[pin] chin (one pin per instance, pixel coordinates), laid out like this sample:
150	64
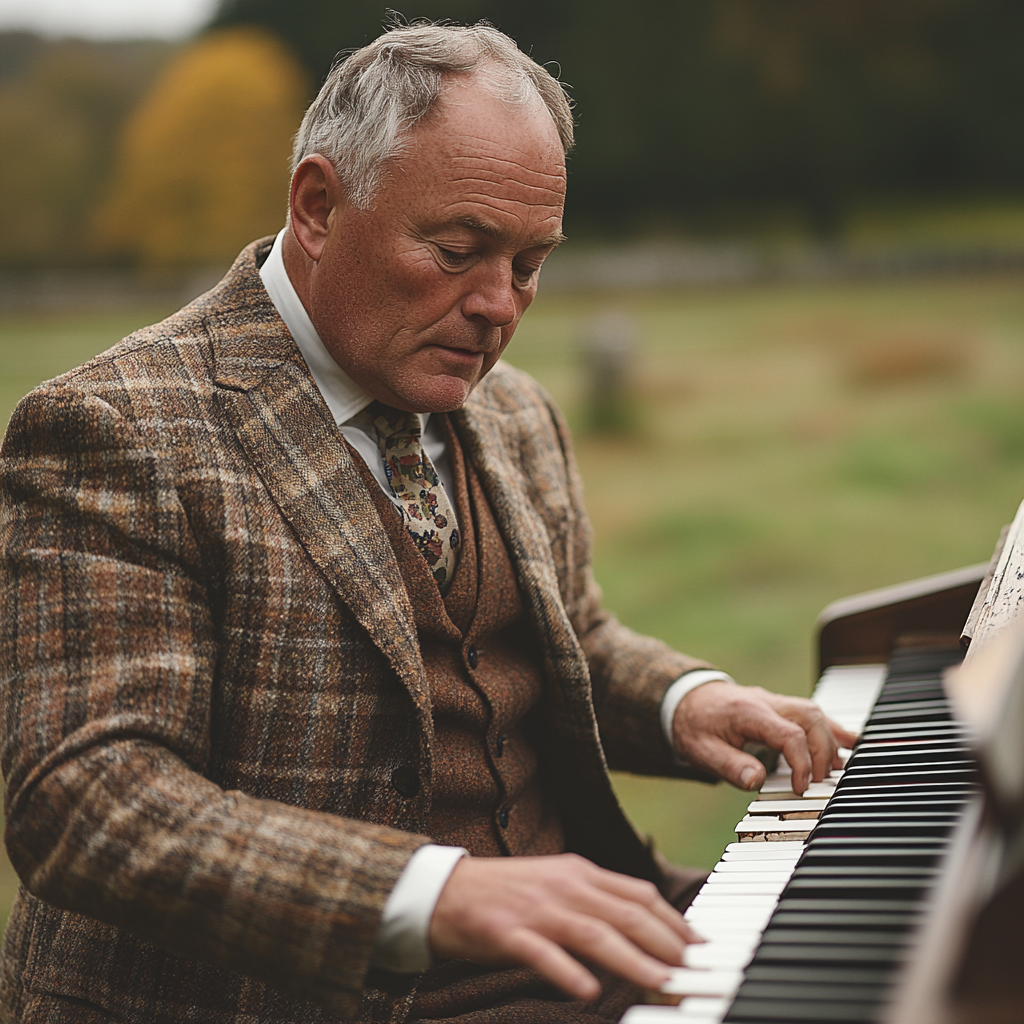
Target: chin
442	393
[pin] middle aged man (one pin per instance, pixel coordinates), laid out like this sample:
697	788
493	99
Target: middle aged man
298	610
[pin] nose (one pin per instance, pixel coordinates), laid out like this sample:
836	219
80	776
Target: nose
493	297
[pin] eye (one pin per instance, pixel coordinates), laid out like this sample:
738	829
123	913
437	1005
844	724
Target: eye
524	273
453	259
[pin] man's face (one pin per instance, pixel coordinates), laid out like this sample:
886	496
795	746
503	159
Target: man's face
417	297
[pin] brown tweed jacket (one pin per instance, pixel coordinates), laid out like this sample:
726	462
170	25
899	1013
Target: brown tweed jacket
212	689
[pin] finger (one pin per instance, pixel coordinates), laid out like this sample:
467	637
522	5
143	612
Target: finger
810	748
823	748
642	926
548	959
598	942
843	737
733	765
646	894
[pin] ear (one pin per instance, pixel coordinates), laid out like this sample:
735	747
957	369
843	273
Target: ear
316	194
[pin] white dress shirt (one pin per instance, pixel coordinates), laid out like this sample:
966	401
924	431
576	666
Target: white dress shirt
402	942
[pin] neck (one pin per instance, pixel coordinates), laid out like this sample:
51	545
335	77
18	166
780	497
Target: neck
298	265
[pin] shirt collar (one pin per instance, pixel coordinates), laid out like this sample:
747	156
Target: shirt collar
344	397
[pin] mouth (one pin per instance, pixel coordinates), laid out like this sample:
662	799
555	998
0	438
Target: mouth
461	356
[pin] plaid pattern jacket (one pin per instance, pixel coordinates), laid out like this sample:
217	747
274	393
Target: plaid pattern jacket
211	675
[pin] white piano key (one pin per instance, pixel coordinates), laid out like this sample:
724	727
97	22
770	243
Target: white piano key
654	1015
725	882
767	823
715	957
701	919
707	1006
725	901
687	982
739	868
725	926
719	932
734	948
795	806
749	928
772	887
775	850
814	790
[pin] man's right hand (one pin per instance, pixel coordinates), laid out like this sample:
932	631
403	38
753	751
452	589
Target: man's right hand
543	912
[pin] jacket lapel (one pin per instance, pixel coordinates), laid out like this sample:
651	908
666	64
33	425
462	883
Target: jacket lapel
291	439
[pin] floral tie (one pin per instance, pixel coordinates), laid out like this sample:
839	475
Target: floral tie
426	510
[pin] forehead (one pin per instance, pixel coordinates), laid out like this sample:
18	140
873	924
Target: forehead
477	155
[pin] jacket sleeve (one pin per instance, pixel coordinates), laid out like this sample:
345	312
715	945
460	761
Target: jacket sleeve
107	661
629	672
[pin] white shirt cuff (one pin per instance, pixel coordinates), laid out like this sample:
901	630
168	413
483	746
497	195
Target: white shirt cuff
402	943
679	689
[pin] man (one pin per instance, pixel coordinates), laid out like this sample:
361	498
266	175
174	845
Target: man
298	610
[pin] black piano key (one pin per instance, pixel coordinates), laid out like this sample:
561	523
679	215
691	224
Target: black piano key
832	937
924	814
929	828
757	1011
921	707
952	748
849	905
909	843
823	974
780	990
910	767
897	718
914	730
859	806
867	888
913	773
851	922
861	870
862	858
916	791
813	953
896	757
910	691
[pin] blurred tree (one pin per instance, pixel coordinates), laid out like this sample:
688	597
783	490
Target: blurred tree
202	166
60	106
693	112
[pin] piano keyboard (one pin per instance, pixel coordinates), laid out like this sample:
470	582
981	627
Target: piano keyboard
809	913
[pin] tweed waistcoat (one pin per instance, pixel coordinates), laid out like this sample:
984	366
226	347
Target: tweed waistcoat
484	672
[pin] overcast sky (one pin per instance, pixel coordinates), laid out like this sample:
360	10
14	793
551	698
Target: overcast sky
107	19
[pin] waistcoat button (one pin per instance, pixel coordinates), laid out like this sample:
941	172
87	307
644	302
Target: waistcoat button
471	656
405	780
503	817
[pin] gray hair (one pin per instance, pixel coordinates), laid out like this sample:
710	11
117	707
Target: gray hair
374	96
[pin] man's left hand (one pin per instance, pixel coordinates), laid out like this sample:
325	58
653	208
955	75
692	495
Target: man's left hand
714	721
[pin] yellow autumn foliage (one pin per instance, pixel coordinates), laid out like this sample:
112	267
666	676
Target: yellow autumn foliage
202	167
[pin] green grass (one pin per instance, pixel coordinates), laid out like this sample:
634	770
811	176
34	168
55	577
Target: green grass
790	446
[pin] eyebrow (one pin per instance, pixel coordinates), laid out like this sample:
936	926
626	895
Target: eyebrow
475	224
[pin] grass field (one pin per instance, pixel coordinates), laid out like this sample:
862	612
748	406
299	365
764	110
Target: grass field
788	446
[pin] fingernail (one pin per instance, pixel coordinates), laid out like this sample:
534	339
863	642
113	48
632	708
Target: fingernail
747	777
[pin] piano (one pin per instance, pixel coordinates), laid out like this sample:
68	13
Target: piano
893	891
